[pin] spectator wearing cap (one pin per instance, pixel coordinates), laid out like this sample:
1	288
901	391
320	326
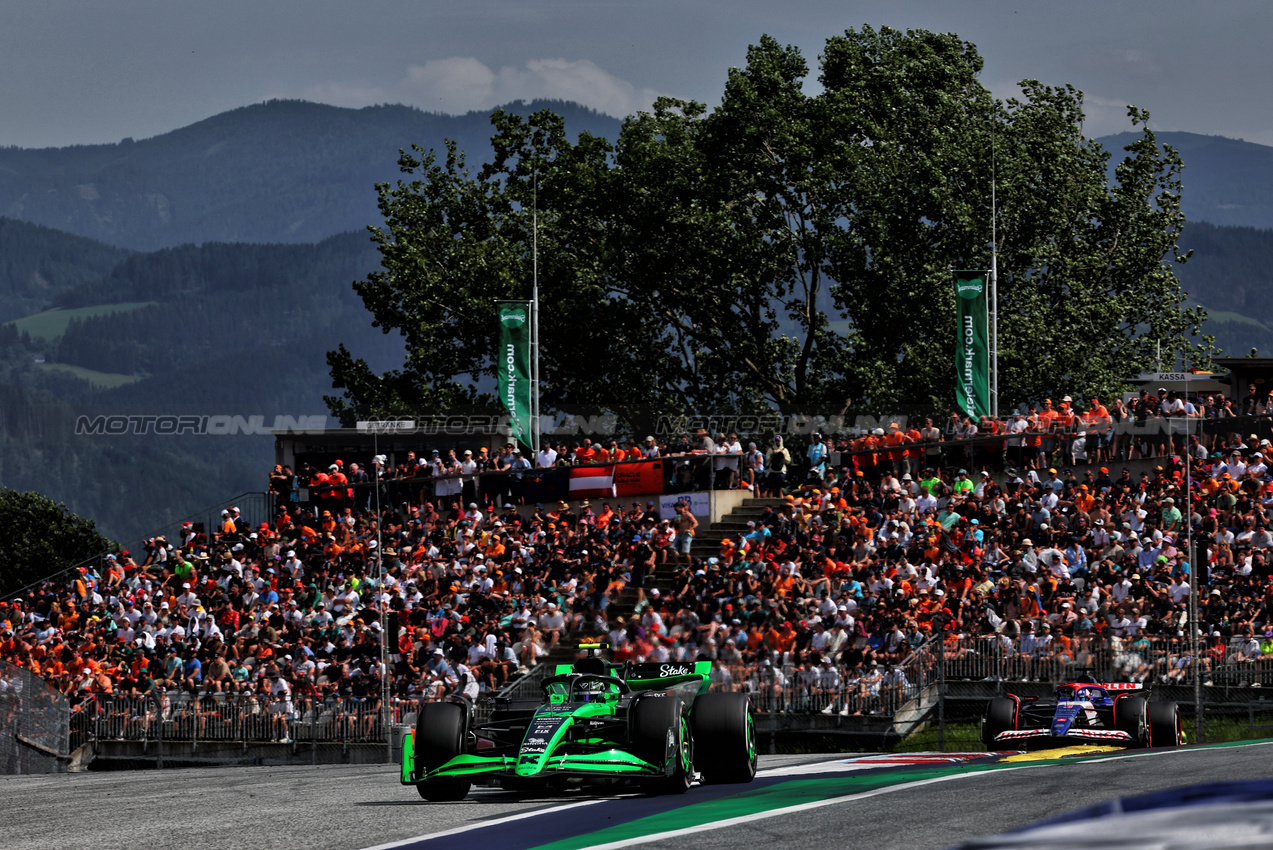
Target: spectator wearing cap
518	467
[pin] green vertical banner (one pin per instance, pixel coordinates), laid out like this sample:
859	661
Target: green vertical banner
972	347
513	367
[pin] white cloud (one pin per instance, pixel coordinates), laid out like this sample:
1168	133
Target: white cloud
1105	116
1102	116
462	83
458	84
346	94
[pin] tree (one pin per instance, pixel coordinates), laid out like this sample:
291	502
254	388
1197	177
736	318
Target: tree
787	249
39	537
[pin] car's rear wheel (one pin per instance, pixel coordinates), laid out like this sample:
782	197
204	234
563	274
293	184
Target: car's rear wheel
1165	726
1129	717
439	737
724	738
660	733
1000	716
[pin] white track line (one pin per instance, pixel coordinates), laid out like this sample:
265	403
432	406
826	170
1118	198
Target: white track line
552	810
773	813
848	798
815	767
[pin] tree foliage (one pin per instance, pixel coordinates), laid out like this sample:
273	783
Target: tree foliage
787	248
39	537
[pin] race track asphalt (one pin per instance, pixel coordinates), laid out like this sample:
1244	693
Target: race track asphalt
947	814
349	808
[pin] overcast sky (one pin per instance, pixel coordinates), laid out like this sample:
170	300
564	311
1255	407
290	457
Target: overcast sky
75	72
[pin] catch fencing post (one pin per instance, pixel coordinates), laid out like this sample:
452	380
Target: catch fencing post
941	690
159	736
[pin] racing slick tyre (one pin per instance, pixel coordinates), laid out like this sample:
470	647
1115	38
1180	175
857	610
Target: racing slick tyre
1129	717
1165	727
439	737
724	738
660	733
1000	716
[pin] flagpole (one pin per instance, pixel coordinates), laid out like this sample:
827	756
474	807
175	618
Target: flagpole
994	290
534	322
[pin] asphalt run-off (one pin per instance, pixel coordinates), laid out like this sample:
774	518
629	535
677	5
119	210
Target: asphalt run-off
914	800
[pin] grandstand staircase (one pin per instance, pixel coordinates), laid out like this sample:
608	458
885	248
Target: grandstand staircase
706	544
707	541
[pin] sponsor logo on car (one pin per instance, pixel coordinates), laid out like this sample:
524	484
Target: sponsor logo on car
675	670
544	728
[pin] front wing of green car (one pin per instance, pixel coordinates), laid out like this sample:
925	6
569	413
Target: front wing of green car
612	763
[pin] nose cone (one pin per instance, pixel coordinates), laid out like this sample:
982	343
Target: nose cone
530	765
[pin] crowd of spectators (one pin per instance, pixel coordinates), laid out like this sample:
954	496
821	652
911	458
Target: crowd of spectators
871	544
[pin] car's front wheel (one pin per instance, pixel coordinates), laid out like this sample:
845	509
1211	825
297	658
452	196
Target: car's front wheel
724	738
1129	717
439	737
1165	726
1000	716
660	734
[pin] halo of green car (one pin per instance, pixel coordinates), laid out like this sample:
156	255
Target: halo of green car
654	726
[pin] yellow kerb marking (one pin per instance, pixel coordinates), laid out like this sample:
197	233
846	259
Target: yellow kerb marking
1061	752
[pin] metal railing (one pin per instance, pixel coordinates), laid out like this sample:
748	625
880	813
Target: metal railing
823	688
1109	659
34	720
224	717
679	473
529	685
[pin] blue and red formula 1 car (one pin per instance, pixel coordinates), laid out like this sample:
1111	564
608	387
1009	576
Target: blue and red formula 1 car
1083	713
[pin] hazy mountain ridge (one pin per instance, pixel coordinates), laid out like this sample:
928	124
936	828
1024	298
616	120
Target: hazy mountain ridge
281	171
1226	181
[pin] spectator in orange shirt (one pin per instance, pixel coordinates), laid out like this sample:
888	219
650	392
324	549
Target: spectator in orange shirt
336	478
1097	419
914	454
585	453
1032	440
893	441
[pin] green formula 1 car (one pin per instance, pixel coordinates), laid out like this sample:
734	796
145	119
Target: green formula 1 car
650	725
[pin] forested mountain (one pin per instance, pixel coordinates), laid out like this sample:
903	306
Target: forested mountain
1231	274
237	330
38	263
1226	181
282	171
